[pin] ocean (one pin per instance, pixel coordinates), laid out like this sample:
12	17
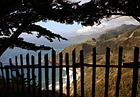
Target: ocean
11	53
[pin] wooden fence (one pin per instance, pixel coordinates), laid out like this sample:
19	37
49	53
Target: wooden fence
10	81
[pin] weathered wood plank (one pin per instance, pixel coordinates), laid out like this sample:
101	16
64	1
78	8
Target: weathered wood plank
22	73
53	72
39	75
60	74
17	75
2	71
74	72
94	72
135	72
119	71
82	72
7	78
28	72
33	76
67	71
107	71
46	75
12	76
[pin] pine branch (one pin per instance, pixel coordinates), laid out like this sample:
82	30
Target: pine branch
44	32
25	45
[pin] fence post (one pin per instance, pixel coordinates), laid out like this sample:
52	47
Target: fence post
60	75
3	79
53	71
17	74
39	75
82	72
67	71
7	77
119	71
46	75
28	72
12	76
74	73
135	72
94	72
107	70
33	76
22	73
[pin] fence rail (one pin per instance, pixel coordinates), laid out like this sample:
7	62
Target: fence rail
9	80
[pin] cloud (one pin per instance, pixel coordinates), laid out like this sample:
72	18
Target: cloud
122	20
94	29
106	25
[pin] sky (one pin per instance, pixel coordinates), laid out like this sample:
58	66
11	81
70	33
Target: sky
77	29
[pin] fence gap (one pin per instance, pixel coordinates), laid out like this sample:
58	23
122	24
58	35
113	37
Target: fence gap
46	75
119	71
53	72
94	72
82	72
39	75
60	74
107	70
67	71
135	72
74	73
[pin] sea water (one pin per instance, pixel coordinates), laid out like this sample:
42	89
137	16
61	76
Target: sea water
11	53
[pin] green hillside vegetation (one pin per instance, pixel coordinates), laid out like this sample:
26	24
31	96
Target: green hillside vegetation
114	42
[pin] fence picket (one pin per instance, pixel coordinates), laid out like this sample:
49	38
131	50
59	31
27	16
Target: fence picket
33	76
46	75
74	73
17	75
3	79
7	77
12	76
94	72
39	75
135	66
60	75
53	72
22	73
107	70
67	71
119	71
135	72
28	72
82	72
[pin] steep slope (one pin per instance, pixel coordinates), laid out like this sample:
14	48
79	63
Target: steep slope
128	40
83	38
116	31
86	46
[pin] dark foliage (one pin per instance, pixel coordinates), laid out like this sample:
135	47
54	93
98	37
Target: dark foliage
18	16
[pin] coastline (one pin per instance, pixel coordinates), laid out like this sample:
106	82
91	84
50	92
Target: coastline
65	81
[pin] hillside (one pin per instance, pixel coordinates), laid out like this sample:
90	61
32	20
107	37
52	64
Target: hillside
128	40
83	38
116	31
